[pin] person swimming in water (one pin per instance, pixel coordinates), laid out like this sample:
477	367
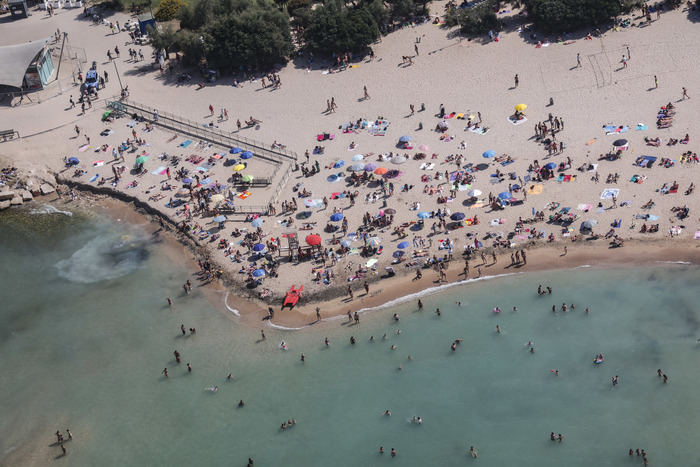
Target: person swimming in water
472	451
387	413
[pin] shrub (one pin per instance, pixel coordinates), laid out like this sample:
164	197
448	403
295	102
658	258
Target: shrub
167	10
475	20
569	15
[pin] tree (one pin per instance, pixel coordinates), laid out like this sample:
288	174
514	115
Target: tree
334	28
475	20
161	37
569	15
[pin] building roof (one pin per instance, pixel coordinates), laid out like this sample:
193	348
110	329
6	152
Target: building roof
16	59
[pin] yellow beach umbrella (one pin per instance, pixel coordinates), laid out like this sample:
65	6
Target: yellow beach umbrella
238	167
520	107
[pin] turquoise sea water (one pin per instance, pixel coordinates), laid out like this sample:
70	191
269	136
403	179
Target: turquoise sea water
86	331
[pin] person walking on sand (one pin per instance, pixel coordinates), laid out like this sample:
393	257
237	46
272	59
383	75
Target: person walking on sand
350	293
624	62
366	93
413	109
318	314
578	60
211	110
656	82
685	94
517	81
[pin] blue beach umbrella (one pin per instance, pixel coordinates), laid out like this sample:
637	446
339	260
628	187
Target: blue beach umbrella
259	247
403	245
357	166
337	217
259	273
550	166
399	253
504	195
257	222
339	164
73	161
219	219
332	178
346	243
357	157
405	138
235	150
188	181
246	155
458	216
489	154
423	215
371	167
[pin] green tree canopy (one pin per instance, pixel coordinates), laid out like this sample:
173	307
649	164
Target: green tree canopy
569	15
475	20
334	28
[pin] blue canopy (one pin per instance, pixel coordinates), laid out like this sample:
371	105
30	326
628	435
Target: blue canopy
235	150
489	154
458	216
505	195
405	138
259	247
337	217
403	245
259	273
423	215
339	164
246	155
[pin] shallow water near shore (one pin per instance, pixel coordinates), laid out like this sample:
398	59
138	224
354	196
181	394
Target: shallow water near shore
86	332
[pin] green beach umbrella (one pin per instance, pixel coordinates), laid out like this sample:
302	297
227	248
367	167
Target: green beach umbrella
141	159
247	178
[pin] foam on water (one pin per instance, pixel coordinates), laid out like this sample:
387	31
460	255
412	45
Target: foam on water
44	209
103	258
232	310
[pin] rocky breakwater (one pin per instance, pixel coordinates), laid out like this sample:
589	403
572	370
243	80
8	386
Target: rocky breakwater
18	187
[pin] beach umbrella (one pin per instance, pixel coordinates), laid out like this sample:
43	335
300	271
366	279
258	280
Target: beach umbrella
458	216
357	166
399	160
405	138
259	247
312	203
239	167
257	222
216	198
589	224
423	147
370	167
489	154
313	240
504	195
381	171
403	245
188	181
205	181
346	243
423	215
246	155
183	191
339	164
550	166
332	178
141	159
73	161
357	157
443	125
390	211
220	219
399	253
304	214
259	273
474	193
247	178
235	150
520	107
374	242
393	174
337	217
619	143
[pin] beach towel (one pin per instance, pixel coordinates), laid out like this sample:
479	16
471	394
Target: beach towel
217	156
697	235
652	217
517	122
84	148
480	130
95	177
535	189
641	127
608	193
616	130
560	178
564	210
590	141
476	206
131	124
460	116
185	143
98	163
450	115
504	163
159	171
244	194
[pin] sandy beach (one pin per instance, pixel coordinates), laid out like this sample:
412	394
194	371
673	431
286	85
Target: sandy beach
470	77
